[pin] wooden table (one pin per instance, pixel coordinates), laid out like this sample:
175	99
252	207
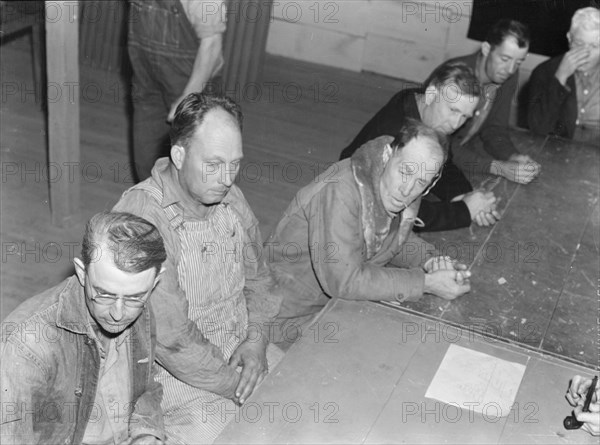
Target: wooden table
360	376
536	273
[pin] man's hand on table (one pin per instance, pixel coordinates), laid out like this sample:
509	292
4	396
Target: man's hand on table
446	277
252	357
518	168
481	205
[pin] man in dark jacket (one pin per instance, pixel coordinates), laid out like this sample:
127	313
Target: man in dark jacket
78	359
565	90
449	99
483	144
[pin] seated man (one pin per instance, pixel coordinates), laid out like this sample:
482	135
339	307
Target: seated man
340	232
483	144
215	295
78	360
565	90
448	100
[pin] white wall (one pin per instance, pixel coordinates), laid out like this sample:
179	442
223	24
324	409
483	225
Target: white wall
398	38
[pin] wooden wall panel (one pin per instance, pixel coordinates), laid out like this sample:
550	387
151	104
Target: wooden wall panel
316	45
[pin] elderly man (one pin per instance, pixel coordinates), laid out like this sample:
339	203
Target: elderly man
448	100
175	48
78	359
355	220
565	90
483	144
216	295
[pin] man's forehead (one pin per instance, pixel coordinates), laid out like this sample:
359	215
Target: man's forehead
218	135
418	148
451	93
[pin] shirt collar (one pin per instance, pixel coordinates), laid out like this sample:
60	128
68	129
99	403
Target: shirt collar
165	175
72	313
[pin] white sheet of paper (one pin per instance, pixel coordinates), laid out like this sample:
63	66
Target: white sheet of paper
476	381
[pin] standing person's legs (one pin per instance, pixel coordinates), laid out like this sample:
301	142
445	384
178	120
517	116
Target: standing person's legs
150	127
157	82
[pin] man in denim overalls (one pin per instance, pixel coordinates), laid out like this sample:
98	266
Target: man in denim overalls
175	48
216	301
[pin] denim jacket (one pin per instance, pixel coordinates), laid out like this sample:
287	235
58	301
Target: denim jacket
50	370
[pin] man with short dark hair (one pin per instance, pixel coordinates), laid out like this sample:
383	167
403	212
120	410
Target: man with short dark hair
447	101
353	221
216	296
565	90
483	144
77	360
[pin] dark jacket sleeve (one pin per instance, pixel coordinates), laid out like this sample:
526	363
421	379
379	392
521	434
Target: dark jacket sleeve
495	132
548	100
387	121
439	216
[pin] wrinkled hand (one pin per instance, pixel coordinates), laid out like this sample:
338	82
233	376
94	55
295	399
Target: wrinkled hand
439	263
520	172
448	284
252	357
485	219
479	201
573	59
576	397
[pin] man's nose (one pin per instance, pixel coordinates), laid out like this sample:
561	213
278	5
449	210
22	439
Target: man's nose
407	187
228	176
117	310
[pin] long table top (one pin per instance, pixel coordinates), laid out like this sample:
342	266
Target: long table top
536	272
360	375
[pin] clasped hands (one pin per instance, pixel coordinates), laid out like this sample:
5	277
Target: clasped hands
446	277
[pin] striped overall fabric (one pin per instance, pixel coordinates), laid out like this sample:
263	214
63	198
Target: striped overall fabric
211	274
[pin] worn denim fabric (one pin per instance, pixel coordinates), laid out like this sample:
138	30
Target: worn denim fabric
50	368
162	47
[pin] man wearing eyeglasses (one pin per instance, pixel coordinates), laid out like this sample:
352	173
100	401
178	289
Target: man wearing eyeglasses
565	90
78	359
340	232
448	100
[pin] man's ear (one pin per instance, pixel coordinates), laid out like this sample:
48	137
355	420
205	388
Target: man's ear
431	93
485	48
177	156
79	270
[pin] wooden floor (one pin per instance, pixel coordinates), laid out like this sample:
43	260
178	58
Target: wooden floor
297	120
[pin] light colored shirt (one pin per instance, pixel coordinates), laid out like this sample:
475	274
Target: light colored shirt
208	17
588	98
110	413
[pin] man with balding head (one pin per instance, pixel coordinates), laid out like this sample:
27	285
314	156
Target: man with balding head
565	90
216	293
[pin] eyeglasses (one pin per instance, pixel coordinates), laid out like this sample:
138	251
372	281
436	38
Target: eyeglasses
107	300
